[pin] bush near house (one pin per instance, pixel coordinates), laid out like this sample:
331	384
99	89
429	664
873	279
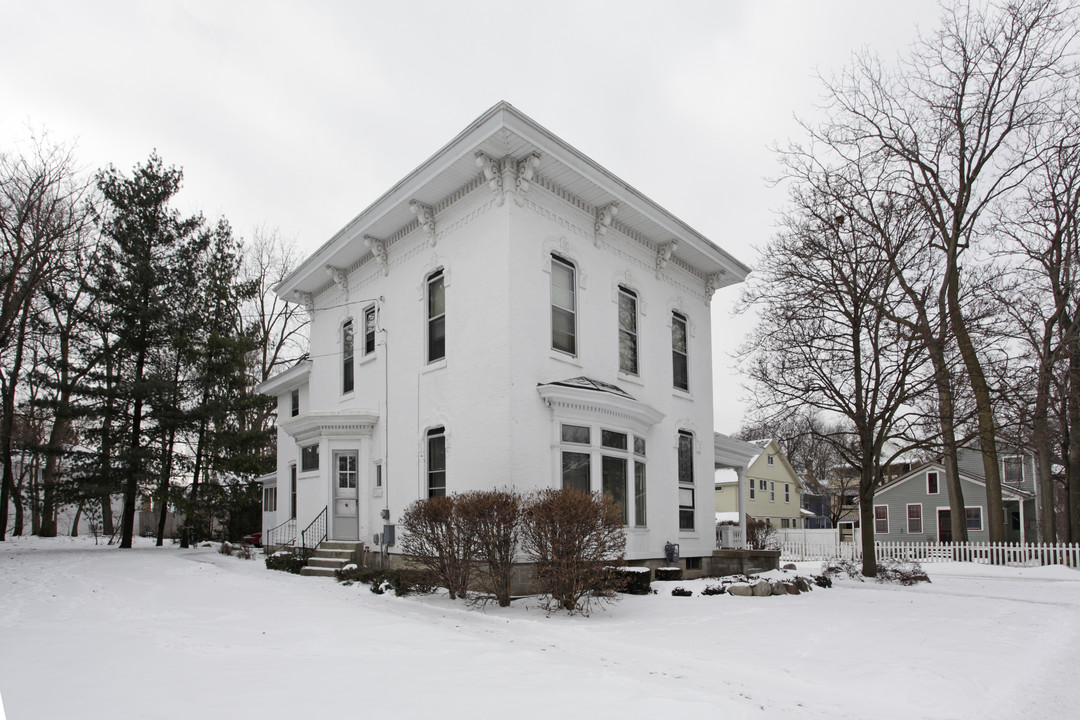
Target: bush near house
402	581
494	518
633	580
286	561
437	536
573	539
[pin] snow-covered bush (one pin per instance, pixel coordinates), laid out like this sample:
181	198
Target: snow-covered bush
285	561
714	590
633	580
898	571
682	592
668	573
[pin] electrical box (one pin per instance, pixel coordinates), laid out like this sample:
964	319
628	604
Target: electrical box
388	535
385	513
377	539
671	552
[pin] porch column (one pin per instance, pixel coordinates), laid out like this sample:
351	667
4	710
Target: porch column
1020	502
741	473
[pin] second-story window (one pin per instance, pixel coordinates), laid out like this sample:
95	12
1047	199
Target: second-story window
294	400
347	357
679	356
628	334
436	462
563	306
369	330
436	345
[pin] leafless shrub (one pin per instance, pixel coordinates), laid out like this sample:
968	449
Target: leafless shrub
437	537
574	539
493	518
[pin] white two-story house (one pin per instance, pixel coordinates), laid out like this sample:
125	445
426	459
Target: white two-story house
509	315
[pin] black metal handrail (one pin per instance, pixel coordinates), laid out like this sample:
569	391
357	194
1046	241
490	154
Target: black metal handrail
313	534
281	536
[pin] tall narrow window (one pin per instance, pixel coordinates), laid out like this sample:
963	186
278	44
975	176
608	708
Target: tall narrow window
679	363
369	330
1014	469
881	519
931	483
436	349
295	400
563	306
640	518
436	462
628	334
347	357
914	519
292	488
614	482
686	480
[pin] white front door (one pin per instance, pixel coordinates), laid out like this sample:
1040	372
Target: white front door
345	496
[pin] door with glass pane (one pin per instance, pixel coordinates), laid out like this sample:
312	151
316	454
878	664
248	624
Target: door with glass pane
345	496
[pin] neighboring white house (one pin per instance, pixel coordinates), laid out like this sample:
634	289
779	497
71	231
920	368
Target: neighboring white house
509	315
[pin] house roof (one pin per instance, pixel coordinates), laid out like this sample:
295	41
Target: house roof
1006	490
590	384
287	379
453	171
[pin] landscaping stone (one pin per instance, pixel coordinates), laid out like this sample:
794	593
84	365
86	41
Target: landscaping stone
762	589
791	588
790	566
741	589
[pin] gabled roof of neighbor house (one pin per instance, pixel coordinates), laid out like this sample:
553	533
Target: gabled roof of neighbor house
1006	490
452	172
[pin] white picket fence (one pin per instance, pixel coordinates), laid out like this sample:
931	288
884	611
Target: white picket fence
923	552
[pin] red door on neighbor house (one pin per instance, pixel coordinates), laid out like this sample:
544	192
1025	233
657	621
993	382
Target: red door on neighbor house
944	526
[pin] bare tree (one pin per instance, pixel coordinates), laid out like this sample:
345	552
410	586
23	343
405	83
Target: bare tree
959	120
43	216
823	340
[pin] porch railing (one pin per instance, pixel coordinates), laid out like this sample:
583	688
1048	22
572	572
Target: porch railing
729	536
280	536
313	534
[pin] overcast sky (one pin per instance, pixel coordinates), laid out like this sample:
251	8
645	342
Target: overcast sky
297	115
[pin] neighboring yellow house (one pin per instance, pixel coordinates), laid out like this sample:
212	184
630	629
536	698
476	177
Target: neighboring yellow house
774	492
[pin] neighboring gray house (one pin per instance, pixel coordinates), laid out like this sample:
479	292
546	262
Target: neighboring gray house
915	506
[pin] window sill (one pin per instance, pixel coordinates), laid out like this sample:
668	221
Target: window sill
434	366
563	357
365	359
684	394
634	379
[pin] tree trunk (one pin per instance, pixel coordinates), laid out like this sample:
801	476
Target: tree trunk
75	521
134	470
984	411
866	521
7	422
1073	461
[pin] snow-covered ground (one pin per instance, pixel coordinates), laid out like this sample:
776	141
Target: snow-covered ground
94	632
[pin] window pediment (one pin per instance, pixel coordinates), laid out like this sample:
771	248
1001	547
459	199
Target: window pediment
601	399
313	425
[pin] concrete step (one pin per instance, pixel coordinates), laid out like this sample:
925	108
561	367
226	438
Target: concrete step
310	571
335	554
350	545
333	563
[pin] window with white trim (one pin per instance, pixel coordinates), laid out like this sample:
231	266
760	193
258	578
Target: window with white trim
1013	467
618	454
309	458
369	330
769	460
753	487
932	483
294	401
686	480
914	519
347	357
787	492
436	462
973	517
270	499
628	331
292	489
436	316
563	306
680	364
881	519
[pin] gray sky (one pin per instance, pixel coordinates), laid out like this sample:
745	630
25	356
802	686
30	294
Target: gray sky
297	115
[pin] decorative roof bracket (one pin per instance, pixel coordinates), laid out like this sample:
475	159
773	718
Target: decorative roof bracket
307	300
663	256
493	175
712	284
339	276
604	218
526	169
426	217
378	252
